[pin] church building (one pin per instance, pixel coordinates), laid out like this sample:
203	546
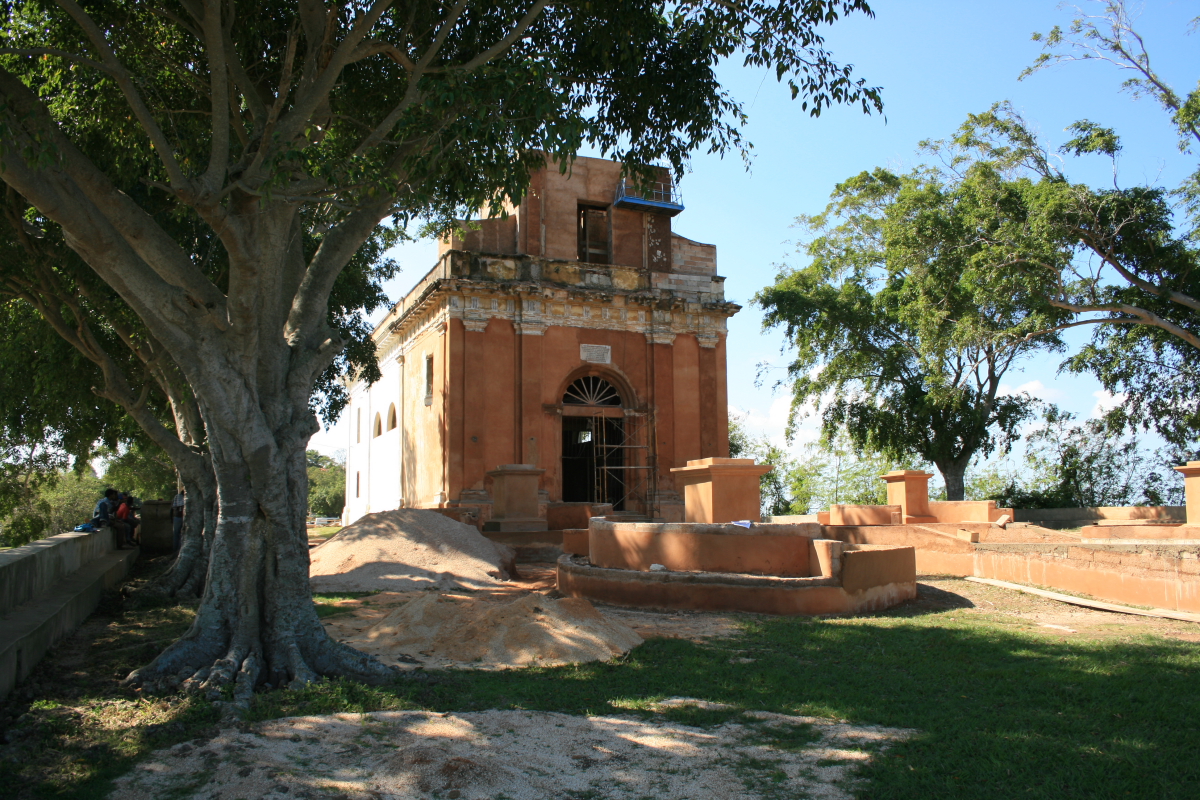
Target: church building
576	333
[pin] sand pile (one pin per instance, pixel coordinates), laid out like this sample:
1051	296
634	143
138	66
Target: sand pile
406	549
521	755
444	630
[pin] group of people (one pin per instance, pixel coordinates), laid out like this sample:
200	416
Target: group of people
117	510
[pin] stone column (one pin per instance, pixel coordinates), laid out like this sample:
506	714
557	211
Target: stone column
1191	489
721	489
909	489
515	498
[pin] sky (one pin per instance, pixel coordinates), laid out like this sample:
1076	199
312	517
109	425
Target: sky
936	61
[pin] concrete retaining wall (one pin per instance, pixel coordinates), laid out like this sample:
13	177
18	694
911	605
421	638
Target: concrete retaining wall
707	591
1160	574
47	588
29	570
30	630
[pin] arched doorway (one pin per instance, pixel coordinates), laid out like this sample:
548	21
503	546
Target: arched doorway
594	463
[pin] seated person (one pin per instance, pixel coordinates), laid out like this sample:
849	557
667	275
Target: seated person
125	514
105	515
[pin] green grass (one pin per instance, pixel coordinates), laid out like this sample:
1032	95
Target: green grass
323	532
327	604
999	710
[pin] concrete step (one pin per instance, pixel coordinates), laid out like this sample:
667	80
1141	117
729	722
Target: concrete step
28	631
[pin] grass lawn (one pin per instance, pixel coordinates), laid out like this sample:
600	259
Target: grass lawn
1001	708
323	532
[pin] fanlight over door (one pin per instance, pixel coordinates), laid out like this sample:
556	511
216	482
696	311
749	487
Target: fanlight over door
591	391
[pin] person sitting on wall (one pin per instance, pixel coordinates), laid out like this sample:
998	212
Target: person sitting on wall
105	515
125	513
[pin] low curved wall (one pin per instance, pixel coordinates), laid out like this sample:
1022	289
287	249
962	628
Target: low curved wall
763	549
707	591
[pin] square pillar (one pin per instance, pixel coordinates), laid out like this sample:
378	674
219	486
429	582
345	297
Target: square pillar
909	489
515	498
720	490
1191	490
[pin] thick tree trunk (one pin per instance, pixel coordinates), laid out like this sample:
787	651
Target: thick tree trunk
954	474
256	623
186	576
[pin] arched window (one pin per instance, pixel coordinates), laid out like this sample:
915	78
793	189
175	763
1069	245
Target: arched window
378	430
591	390
392	417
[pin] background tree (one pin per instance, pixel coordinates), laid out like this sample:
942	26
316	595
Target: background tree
1068	465
893	341
1134	273
288	132
326	485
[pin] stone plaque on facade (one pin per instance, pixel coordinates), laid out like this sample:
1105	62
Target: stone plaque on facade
595	353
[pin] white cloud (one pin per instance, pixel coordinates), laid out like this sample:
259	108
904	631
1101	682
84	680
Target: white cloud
1106	401
1036	389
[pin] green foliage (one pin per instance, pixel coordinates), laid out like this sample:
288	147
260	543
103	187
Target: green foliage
141	469
831	470
1083	466
894	342
326	485
1133	270
55	505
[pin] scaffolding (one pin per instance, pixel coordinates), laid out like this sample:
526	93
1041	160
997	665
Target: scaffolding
622	472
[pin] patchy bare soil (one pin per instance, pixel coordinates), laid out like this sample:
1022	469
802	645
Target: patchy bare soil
1040	614
519	755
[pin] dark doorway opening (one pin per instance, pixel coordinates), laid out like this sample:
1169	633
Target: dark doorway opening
593	460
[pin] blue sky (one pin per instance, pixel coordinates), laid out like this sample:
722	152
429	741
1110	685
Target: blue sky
937	62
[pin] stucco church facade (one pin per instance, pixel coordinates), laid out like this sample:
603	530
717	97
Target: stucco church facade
577	333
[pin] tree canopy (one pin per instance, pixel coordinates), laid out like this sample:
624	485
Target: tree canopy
272	139
1133	266
893	340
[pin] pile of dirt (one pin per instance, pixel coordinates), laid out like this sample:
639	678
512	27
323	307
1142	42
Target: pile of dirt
444	630
407	549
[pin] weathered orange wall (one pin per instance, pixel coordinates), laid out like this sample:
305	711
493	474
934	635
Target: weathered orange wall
758	595
636	547
497	394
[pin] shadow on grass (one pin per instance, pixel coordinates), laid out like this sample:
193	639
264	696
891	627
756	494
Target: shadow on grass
997	712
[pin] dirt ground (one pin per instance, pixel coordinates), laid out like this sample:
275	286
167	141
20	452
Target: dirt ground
519	755
1040	614
523	754
360	614
491	753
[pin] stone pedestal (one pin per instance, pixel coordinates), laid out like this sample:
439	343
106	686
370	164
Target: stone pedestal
909	489
1191	489
515	498
720	489
156	531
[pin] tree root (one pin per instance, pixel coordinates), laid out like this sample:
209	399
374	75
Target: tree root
188	667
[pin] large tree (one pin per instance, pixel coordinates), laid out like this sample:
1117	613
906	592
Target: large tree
1134	274
290	131
893	341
